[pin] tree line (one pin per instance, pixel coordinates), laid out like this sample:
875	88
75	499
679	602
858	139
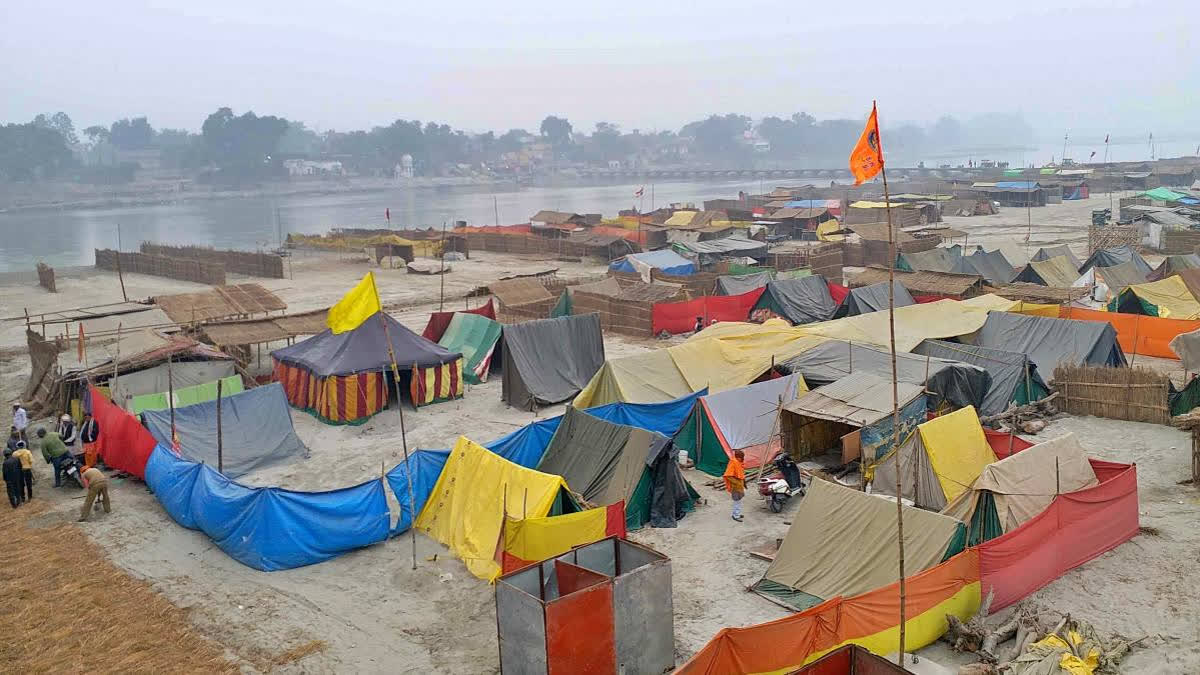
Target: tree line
232	147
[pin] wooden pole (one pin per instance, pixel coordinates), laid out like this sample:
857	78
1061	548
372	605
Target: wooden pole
120	276
887	200
441	274
171	397
403	433
220	444
116	363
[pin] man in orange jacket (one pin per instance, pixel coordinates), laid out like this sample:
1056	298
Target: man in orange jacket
735	482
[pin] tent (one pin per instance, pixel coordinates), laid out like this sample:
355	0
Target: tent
197	393
853	415
1014	255
1048	252
954	382
736	285
933	260
843	542
666	260
605	463
476	490
474	336
256	430
1174	264
991	265
1186	346
530	540
1169	298
548	361
1010	492
737	419
1118	277
1057	272
1014	378
1050	342
950	451
439	321
1108	257
343	378
638	378
873	298
940	319
799	301
155	380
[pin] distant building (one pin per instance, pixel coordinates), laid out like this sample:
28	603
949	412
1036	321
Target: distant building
308	167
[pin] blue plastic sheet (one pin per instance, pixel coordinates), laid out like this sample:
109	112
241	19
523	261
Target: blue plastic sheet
526	445
268	528
666	260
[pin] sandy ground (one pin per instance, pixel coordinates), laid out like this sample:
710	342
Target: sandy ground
377	614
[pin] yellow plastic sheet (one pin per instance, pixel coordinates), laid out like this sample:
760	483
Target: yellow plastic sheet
957	448
649	377
914	323
730	355
1171	296
534	539
467	507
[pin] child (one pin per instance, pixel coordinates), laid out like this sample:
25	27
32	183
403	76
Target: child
735	482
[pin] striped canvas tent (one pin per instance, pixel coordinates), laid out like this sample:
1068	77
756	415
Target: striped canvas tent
343	378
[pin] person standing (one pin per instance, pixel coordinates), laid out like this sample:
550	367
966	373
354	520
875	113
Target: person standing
20	421
66	430
735	482
54	451
14	437
12	477
23	454
89	434
97	486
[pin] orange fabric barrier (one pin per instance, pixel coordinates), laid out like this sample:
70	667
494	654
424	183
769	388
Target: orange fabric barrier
870	619
124	444
680	317
1005	444
1075	528
1137	333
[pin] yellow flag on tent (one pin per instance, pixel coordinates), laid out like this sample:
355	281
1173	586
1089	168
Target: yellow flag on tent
355	307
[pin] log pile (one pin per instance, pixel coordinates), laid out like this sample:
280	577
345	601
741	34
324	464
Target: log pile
1029	418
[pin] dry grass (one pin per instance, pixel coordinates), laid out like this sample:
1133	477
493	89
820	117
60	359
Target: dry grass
300	651
1134	394
69	609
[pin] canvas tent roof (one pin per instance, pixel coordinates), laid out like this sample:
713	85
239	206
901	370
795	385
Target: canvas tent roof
1108	257
1015	255
991	265
638	378
736	285
1057	272
873	298
666	260
256	430
737	419
959	383
941	319
858	399
1049	342
920	283
519	291
842	542
475	337
1048	252
601	461
155	379
723	246
364	349
1007	370
1174	264
1119	277
548	361
933	260
950	452
800	301
1169	298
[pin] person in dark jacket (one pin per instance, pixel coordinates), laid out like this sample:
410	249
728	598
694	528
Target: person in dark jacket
12	478
54	451
89	434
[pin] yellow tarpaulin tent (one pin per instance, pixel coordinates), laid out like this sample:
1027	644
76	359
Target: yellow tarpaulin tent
1171	296
826	229
914	323
467	507
680	218
649	377
996	303
733	354
957	448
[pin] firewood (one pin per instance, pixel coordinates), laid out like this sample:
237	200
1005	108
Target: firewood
978	669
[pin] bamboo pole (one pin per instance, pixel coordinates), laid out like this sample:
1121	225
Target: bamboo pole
220	444
403	433
441	274
171	397
120	276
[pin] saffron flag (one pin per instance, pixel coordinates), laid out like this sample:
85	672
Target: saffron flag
355	307
866	159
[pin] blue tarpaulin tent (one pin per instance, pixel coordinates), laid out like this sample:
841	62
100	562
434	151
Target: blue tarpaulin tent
666	260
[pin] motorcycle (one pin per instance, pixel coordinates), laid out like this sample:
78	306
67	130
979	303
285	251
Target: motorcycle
779	489
71	473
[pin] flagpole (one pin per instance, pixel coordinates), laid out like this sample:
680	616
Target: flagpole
412	505
887	200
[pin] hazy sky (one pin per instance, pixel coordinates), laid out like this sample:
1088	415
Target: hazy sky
1085	65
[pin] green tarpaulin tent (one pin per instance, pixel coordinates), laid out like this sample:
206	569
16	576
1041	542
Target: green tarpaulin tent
187	395
475	336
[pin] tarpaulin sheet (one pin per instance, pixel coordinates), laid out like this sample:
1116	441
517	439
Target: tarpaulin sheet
1119	277
958	383
1048	252
364	349
1186	347
1138	333
158	379
1074	529
601	461
918	482
838	292
800	301
957	449
1056	272
869	620
680	317
475	492
1109	257
875	297
1008	371
256	430
530	540
1169	298
933	260
736	285
991	265
124	444
638	378
666	260
1174	264
732	355
439	321
548	361
941	319
268	528
738	419
1050	342
475	337
197	393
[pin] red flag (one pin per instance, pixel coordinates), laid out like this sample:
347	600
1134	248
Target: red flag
866	160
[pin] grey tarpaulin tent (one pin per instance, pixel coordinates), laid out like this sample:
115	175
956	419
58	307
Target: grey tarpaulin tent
548	361
1050	342
799	301
933	260
256	430
1010	372
154	380
1057	272
1048	252
736	285
959	383
1108	257
991	265
873	298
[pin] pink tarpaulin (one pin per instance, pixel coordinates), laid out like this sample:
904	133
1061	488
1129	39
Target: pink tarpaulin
1075	528
1005	444
680	317
440	321
124	443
